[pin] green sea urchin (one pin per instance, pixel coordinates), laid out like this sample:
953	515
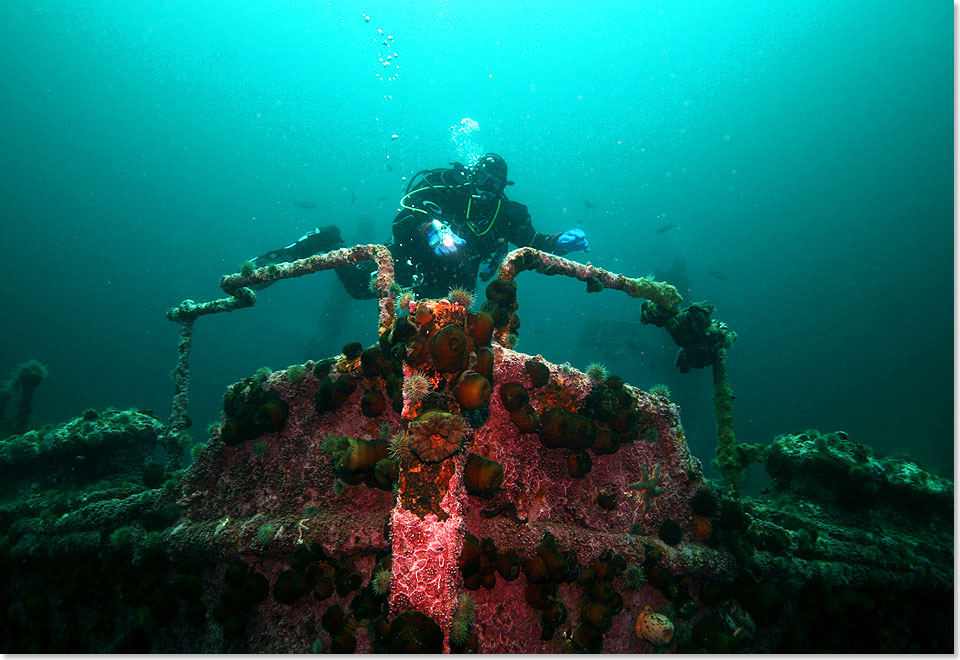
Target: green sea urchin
416	387
381	581
661	391
400	446
462	620
461	296
596	372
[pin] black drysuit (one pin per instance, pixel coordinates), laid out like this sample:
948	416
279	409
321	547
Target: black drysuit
488	226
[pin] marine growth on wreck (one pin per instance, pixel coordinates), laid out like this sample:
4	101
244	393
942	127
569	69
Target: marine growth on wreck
431	489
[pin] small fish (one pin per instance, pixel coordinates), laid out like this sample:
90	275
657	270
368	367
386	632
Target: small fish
589	204
305	205
353	197
719	275
666	228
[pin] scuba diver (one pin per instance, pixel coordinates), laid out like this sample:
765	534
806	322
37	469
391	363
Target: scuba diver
453	224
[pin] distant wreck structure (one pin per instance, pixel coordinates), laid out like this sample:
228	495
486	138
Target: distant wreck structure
435	490
26	377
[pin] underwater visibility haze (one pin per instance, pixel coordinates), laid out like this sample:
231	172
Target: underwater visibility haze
790	163
803	150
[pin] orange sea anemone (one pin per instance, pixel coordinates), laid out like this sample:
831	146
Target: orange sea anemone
513	396
539	372
562	428
482	476
480	327
449	348
525	419
508	565
373	403
483	365
502	292
579	464
473	391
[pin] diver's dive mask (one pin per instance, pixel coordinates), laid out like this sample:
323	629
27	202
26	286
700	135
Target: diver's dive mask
489	175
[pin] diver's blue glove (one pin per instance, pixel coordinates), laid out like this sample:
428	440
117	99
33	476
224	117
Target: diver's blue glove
571	241
443	241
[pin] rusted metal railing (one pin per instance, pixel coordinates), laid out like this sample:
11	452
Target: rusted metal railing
237	286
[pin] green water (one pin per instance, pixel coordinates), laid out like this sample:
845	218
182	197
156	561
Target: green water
803	149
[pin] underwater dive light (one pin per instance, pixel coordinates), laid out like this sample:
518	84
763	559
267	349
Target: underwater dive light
443	231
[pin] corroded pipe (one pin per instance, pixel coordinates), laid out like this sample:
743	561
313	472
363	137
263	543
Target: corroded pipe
179	419
664	295
235	283
597	279
189	310
237	286
727	456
